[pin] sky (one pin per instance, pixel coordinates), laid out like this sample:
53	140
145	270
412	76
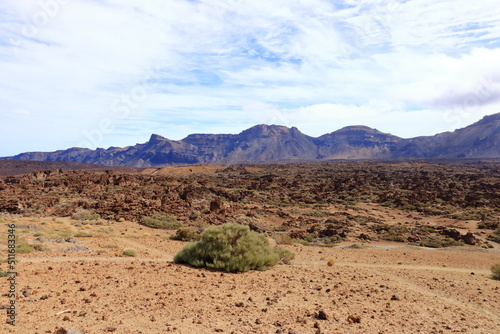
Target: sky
101	73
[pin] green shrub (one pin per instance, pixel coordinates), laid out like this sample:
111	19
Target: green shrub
161	220
199	225
186	234
83	214
283	239
4	273
285	255
495	236
83	235
302	242
23	247
495	271
111	246
231	248
41	247
129	252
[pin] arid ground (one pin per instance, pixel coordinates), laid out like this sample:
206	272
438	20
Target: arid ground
412	246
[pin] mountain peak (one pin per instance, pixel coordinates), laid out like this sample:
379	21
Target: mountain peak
156	139
358	128
268	130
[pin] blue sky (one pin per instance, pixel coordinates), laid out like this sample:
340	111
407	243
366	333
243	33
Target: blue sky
100	73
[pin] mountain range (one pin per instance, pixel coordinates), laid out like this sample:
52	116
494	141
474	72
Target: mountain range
275	143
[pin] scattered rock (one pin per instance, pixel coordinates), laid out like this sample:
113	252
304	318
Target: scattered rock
354	319
364	236
469	239
217	206
394	297
65	330
322	315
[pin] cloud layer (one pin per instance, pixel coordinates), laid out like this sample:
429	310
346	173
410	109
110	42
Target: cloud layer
111	72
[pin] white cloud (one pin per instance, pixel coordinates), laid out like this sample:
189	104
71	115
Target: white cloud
404	67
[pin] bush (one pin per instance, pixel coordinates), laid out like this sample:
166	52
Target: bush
186	234
83	235
283	239
24	248
285	255
495	271
129	252
83	214
161	220
230	248
495	236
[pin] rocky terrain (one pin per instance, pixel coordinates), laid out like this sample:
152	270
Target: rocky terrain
319	203
21	167
274	143
381	247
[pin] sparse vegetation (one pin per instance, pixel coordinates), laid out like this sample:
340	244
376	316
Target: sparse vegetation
285	255
23	247
495	271
112	246
83	215
232	248
84	235
41	247
161	221
186	234
129	252
283	239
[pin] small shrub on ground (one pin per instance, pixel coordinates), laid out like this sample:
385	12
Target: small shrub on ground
303	242
285	255
129	252
161	220
23	247
199	225
41	247
111	246
4	273
283	239
194	215
495	236
186	234
230	248
83	214
84	235
495	271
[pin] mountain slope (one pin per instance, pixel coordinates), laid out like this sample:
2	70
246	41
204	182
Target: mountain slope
479	140
273	143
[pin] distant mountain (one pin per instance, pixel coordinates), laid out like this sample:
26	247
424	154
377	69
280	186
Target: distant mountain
273	143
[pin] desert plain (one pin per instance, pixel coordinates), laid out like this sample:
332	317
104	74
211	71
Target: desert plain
385	247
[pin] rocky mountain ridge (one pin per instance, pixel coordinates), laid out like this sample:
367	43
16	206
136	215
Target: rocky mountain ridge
274	143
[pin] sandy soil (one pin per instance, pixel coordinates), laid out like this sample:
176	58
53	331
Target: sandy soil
380	288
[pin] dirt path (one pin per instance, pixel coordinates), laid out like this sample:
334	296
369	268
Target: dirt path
440	296
153	251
